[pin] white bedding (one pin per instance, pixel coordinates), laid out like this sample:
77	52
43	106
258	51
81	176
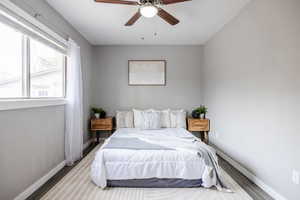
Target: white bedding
122	164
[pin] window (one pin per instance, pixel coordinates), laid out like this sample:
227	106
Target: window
46	71
29	68
10	62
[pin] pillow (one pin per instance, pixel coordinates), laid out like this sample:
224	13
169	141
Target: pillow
151	119
138	118
165	120
178	118
124	119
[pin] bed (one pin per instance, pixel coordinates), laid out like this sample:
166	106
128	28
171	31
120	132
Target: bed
167	157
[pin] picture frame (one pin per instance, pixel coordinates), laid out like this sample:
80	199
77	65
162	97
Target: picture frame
147	72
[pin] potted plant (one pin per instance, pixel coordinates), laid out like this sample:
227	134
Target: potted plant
203	111
200	111
99	112
196	113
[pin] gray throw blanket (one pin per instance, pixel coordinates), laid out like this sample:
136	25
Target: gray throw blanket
132	143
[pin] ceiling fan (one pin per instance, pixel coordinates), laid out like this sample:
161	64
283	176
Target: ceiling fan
148	8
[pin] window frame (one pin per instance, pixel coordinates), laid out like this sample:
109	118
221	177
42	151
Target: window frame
16	18
64	69
26	65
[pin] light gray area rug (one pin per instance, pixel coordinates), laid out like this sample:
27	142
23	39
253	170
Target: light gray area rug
77	185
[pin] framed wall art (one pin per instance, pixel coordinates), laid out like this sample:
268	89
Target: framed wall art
147	72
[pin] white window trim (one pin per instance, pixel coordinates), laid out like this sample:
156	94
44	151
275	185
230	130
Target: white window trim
15	104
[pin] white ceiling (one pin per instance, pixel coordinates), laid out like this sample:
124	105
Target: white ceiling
103	24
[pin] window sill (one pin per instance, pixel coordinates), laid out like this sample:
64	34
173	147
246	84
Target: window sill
15	104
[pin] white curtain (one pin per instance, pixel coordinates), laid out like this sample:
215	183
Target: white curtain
74	107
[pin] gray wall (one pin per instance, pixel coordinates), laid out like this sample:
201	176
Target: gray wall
32	140
252	89
110	78
31	144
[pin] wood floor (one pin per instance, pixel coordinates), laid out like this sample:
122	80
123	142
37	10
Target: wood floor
253	190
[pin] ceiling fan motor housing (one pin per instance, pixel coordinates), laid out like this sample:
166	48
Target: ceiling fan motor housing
153	2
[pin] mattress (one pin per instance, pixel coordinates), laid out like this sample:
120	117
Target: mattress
130	164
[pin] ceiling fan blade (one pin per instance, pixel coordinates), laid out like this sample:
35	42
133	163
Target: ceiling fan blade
118	2
167	17
133	19
173	1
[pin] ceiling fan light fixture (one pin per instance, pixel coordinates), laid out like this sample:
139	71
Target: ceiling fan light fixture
148	10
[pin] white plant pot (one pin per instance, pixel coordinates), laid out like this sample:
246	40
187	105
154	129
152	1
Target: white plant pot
97	115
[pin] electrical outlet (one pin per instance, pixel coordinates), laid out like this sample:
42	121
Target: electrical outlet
296	177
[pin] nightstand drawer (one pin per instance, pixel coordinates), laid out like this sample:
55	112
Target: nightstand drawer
198	124
101	127
102	124
107	121
198	128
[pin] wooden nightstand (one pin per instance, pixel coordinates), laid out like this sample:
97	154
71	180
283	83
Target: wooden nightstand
105	124
201	125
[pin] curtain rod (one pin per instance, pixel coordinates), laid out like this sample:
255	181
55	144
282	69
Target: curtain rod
31	11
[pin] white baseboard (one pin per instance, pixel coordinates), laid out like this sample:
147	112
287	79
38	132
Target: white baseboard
40	182
252	177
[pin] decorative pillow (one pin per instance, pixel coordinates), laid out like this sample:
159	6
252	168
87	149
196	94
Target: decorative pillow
151	119
178	118
138	118
165	120
124	119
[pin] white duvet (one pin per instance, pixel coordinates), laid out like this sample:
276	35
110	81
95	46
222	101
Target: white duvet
122	164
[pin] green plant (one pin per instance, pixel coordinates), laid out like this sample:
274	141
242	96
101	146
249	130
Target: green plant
97	110
202	110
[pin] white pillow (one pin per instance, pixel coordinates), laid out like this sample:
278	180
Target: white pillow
178	118
165	120
151	119
124	119
138	118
